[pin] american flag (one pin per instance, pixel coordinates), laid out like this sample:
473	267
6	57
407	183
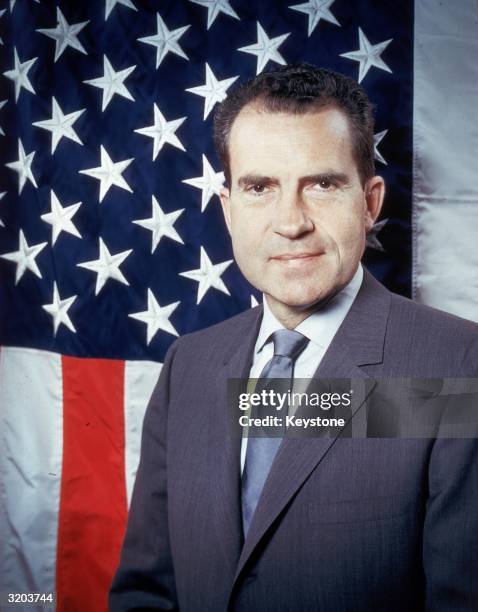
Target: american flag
112	241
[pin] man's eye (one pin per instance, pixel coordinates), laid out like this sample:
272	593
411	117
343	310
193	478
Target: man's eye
257	189
324	184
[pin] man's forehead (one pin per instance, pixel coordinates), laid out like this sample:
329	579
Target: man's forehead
275	141
255	115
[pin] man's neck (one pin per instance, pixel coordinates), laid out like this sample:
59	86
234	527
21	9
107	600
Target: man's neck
292	316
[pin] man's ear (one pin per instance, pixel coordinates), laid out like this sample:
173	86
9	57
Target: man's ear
224	196
374	194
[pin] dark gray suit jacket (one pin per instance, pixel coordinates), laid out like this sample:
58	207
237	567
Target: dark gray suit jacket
343	524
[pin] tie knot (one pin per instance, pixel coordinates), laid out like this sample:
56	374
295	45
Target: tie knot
289	343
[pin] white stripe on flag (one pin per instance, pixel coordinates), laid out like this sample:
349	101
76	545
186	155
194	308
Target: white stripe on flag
445	166
140	380
30	468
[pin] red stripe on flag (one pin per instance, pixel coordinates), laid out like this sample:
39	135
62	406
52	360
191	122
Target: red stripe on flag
93	506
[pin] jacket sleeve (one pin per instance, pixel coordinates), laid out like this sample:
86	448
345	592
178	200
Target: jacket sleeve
144	579
450	545
450	541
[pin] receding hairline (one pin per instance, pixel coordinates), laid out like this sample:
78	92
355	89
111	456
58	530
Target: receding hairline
317	106
298	89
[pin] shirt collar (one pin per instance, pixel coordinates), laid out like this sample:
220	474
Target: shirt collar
321	326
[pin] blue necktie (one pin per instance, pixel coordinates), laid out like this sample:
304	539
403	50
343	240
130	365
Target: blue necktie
288	345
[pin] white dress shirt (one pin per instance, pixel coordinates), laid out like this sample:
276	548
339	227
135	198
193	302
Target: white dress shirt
320	328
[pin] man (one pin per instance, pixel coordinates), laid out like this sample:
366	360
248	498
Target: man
333	522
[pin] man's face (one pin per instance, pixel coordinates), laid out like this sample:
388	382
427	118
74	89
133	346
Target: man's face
297	211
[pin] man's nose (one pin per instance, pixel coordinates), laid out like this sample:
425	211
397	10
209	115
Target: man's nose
291	218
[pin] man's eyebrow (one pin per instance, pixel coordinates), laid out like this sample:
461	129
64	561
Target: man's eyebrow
339	178
252	179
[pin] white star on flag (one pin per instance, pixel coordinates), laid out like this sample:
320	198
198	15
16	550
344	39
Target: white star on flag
65	35
266	48
2	224
156	317
19	74
25	257
112	82
60	218
165	40
161	224
210	182
372	240
316	10
377	139
213	90
214	7
23	167
368	55
106	266
110	4
58	310
208	275
109	173
2	104
60	125
162	131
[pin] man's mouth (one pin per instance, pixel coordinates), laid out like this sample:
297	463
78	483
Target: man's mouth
296	259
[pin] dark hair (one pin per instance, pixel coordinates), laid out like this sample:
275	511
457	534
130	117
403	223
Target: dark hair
298	89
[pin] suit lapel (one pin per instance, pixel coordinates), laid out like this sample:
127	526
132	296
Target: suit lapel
359	341
224	449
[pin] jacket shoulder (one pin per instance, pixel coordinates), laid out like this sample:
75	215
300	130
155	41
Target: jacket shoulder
213	340
432	318
431	339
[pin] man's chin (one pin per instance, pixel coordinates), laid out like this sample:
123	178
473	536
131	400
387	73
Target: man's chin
300	301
